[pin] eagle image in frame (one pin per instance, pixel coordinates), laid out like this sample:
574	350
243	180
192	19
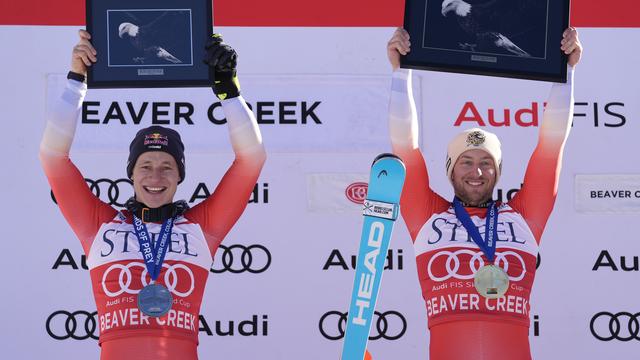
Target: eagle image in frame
154	37
144	43
507	38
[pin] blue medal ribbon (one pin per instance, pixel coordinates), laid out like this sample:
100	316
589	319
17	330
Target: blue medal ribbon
488	244
153	255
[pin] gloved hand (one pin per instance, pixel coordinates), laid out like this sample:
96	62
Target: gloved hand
223	60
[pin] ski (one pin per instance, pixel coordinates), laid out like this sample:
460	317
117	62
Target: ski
381	209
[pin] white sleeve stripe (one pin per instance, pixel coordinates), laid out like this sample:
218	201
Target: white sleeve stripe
243	128
62	118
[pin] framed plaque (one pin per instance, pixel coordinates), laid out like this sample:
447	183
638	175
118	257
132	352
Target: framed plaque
143	43
508	38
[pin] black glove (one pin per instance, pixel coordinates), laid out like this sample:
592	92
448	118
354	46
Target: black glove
223	60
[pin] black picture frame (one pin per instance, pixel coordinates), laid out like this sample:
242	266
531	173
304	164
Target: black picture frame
449	36
149	44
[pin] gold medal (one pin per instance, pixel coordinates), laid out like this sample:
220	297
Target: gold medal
491	281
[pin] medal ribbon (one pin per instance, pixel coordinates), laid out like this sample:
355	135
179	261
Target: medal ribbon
153	255
488	244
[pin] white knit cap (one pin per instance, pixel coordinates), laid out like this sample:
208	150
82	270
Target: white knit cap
470	139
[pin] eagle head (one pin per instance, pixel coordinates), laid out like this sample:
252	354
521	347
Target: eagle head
128	28
460	7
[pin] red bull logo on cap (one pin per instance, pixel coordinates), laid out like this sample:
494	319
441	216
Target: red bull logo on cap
156	139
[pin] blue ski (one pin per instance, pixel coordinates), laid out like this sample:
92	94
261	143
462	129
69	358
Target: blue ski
380	212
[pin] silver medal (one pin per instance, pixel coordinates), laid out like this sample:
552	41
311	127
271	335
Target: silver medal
155	300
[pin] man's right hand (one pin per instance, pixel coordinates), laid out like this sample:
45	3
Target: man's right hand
83	54
398	45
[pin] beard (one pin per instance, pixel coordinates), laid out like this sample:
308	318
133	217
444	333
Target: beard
473	197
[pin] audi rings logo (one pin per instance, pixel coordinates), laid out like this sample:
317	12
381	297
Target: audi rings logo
113	192
623	326
389	325
357	192
453	264
125	279
78	325
239	258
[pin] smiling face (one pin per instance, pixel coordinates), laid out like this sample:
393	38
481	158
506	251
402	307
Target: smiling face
474	177
155	178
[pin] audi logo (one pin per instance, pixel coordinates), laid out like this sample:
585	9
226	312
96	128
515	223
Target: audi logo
389	325
239	258
109	191
453	262
623	326
125	279
357	192
78	325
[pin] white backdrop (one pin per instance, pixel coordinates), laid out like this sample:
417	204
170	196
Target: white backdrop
301	215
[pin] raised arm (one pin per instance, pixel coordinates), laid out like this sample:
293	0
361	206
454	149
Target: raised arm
83	211
221	210
418	201
538	194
